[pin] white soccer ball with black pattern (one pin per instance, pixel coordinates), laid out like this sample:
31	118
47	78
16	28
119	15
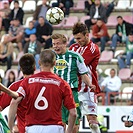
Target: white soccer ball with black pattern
54	15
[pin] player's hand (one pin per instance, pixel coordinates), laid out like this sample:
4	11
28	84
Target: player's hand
128	124
92	87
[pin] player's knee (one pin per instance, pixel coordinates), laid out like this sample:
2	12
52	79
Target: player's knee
91	117
93	124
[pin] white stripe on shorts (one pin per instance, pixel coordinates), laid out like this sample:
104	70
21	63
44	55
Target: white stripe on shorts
44	129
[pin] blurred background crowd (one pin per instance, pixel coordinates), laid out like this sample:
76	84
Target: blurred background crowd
24	29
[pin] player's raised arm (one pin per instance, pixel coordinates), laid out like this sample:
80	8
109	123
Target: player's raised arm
8	91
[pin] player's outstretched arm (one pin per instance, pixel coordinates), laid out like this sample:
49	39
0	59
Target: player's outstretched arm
8	91
71	120
128	123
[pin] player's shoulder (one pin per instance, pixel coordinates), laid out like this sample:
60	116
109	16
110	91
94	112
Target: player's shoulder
14	86
93	45
74	46
93	48
73	52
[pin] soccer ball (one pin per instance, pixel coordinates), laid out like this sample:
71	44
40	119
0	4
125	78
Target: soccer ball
54	15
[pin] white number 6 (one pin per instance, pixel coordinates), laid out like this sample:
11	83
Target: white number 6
41	98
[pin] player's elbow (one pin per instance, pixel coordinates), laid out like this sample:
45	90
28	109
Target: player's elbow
73	112
14	102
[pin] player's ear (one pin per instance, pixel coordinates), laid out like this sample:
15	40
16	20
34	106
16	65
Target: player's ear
54	62
65	44
87	35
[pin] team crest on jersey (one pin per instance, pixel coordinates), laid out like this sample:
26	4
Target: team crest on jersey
61	64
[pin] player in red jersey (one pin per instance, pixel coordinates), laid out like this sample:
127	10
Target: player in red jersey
45	93
27	68
90	53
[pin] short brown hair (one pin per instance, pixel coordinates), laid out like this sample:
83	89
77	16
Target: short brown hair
47	57
80	28
59	36
27	64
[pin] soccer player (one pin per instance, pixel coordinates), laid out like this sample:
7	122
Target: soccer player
27	65
90	53
44	93
68	65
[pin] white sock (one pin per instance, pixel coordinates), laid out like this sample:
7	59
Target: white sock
95	128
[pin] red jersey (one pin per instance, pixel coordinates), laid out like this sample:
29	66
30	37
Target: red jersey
91	56
45	93
5	100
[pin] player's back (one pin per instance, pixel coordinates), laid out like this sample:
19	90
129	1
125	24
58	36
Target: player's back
44	92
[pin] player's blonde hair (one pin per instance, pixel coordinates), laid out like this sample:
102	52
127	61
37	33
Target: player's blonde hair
59	36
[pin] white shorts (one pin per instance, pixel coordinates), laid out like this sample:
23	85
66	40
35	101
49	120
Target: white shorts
44	129
88	103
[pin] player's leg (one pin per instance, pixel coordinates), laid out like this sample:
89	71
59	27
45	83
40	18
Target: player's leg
3	125
89	108
93	123
65	113
92	115
77	123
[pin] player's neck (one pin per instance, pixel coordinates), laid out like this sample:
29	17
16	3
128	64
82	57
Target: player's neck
26	76
47	69
88	41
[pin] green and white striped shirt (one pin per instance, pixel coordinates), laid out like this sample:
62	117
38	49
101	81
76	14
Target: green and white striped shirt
68	66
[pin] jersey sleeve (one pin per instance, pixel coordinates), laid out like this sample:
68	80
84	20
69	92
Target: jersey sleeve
21	90
68	100
82	69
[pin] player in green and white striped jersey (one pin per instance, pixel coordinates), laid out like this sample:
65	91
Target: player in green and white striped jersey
68	65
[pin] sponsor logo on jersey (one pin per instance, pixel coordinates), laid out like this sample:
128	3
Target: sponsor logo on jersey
61	64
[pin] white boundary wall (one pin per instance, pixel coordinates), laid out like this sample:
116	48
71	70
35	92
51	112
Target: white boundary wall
113	118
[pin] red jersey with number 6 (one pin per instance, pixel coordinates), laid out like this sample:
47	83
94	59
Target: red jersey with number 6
91	55
45	93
